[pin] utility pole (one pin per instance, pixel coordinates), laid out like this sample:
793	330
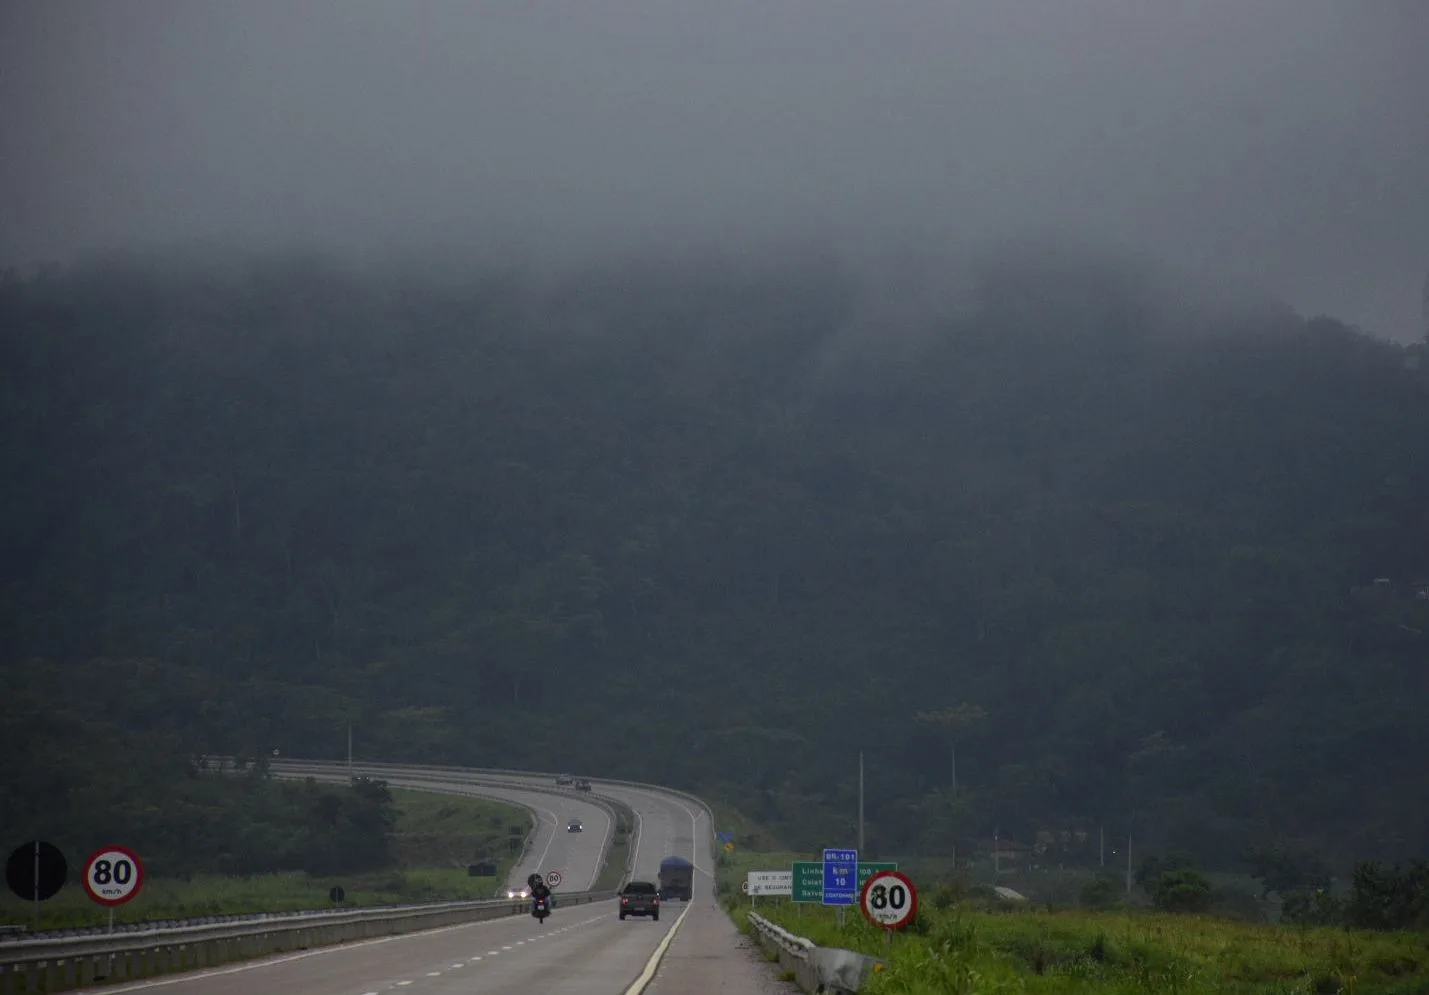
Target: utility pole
349	749
1128	862
953	758
996	855
860	803
1101	846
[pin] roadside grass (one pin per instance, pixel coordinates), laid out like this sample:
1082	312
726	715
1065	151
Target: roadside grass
960	949
435	837
612	874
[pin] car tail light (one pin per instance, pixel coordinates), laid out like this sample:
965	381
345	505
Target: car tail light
625	901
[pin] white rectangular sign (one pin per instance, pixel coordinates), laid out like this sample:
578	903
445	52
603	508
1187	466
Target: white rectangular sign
771	882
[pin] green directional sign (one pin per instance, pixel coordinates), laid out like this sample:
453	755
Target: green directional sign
808	883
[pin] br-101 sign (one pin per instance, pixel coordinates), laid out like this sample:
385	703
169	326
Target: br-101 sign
770	883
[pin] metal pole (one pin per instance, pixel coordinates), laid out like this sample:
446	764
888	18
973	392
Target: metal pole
1128	861
860	803
349	749
37	886
1101	846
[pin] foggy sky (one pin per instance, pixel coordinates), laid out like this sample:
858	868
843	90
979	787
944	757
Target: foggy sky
1282	141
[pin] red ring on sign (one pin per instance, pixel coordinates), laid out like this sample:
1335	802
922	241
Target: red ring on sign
553	879
912	899
128	854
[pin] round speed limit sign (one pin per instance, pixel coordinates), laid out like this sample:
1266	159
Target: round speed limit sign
889	900
554	879
113	875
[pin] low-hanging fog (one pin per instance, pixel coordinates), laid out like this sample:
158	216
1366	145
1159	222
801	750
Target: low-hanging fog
1281	143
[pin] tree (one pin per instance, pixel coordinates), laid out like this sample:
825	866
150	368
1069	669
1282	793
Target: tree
1284	871
1098	893
1183	889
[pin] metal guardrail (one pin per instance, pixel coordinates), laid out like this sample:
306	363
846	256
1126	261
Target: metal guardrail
815	968
53	965
32	963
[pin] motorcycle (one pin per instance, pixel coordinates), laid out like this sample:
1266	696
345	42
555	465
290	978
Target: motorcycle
540	908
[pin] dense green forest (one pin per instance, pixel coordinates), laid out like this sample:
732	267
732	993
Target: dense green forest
720	528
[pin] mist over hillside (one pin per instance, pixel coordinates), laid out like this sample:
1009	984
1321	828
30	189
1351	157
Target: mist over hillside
723	525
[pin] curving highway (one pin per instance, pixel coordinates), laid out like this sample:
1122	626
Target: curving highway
577	856
581	949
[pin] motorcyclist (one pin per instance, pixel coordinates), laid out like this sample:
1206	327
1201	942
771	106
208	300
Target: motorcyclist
539	890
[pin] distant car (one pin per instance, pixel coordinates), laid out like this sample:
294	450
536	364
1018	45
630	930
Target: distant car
574	826
565	781
522	892
640	898
582	784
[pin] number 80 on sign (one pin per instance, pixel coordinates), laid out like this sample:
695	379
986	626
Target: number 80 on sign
889	900
113	875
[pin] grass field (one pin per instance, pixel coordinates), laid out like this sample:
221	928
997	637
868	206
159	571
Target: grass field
613	873
436	836
960	949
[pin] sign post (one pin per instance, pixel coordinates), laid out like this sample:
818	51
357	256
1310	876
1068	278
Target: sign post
112	876
889	901
35	872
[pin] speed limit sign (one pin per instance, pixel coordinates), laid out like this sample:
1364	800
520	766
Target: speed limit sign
889	900
113	875
554	879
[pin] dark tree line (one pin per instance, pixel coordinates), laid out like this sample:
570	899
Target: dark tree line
249	503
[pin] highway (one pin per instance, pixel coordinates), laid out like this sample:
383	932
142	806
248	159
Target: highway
575	855
581	949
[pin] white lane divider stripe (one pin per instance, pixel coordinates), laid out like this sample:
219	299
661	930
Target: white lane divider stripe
654	963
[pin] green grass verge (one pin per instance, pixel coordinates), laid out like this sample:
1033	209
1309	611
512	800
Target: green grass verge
436	836
613	873
963	950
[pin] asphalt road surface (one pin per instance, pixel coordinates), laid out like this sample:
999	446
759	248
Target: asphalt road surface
582	949
576	855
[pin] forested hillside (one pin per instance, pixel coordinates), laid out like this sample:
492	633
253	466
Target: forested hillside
714	528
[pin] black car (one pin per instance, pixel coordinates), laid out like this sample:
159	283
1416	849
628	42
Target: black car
574	826
640	898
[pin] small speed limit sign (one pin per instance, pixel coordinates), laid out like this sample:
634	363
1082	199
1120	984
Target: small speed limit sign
113	875
554	879
889	900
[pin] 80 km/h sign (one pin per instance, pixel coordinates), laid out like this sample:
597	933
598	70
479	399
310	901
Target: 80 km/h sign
113	875
889	900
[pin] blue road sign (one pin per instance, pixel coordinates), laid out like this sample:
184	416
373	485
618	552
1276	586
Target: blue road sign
840	877
725	837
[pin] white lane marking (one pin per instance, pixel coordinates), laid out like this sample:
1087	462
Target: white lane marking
458	964
336	948
477	957
493	953
654	963
401	984
434	974
505	948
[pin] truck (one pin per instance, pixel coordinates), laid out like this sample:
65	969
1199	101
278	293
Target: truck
677	878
